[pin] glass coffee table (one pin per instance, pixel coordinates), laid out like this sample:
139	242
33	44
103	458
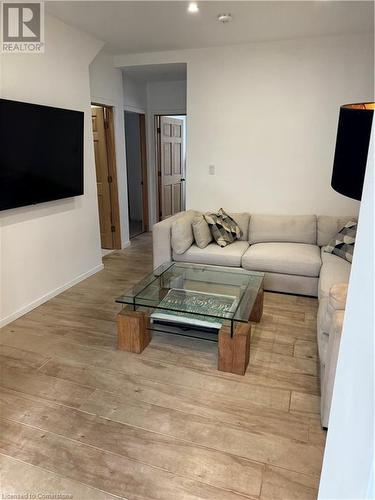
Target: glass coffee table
200	301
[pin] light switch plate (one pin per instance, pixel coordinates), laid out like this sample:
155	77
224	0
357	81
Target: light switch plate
211	169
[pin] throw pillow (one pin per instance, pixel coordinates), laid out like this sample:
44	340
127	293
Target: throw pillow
343	243
223	228
182	234
201	230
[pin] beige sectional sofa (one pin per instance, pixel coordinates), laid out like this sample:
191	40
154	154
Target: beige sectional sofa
289	250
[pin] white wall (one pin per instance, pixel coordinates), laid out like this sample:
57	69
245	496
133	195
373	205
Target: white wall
166	97
349	454
107	88
47	247
135	95
266	115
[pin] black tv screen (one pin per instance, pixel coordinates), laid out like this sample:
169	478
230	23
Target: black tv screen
41	154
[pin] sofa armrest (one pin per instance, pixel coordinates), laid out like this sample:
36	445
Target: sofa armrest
331	364
161	241
337	296
161	238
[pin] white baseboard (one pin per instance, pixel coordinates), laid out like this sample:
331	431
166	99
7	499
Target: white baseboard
125	244
48	296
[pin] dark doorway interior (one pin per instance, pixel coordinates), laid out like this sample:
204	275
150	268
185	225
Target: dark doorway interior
137	172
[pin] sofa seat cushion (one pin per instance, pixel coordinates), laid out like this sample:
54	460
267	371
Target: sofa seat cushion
334	270
286	258
214	255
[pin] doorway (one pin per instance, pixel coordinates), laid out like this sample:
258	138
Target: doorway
171	164
106	176
136	164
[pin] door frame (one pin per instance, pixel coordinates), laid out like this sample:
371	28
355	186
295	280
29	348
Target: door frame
144	167
157	152
109	129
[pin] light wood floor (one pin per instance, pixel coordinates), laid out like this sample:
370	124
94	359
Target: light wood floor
80	418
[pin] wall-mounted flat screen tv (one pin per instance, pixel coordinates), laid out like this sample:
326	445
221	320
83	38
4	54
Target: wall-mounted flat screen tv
41	154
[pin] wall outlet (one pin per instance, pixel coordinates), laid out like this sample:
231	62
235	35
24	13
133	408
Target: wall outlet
211	169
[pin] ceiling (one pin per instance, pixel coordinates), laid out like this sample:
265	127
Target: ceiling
157	72
142	26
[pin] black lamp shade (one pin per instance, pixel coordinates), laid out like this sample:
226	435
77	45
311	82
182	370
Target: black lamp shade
352	143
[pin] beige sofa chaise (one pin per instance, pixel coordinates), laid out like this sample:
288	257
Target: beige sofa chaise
289	250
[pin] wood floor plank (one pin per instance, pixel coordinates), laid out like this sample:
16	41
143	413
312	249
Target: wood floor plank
83	336
230	409
135	365
19	478
295	314
257	446
306	403
298	331
266	376
107	471
284	363
281	484
21	378
62	322
152	448
19	357
280	334
305	349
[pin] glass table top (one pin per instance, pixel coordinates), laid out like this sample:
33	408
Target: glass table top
215	292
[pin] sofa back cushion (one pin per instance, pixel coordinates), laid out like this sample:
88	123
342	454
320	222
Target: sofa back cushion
242	220
329	226
201	231
282	228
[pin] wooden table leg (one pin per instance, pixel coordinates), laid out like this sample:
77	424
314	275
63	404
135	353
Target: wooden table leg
133	334
257	311
234	352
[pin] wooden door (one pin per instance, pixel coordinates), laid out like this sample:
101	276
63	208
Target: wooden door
102	178
171	165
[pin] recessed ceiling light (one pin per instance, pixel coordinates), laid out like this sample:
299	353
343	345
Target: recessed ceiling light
224	18
193	7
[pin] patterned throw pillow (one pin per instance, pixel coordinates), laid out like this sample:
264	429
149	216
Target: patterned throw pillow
343	243
223	228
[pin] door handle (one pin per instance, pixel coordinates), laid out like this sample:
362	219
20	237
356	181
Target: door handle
182	179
